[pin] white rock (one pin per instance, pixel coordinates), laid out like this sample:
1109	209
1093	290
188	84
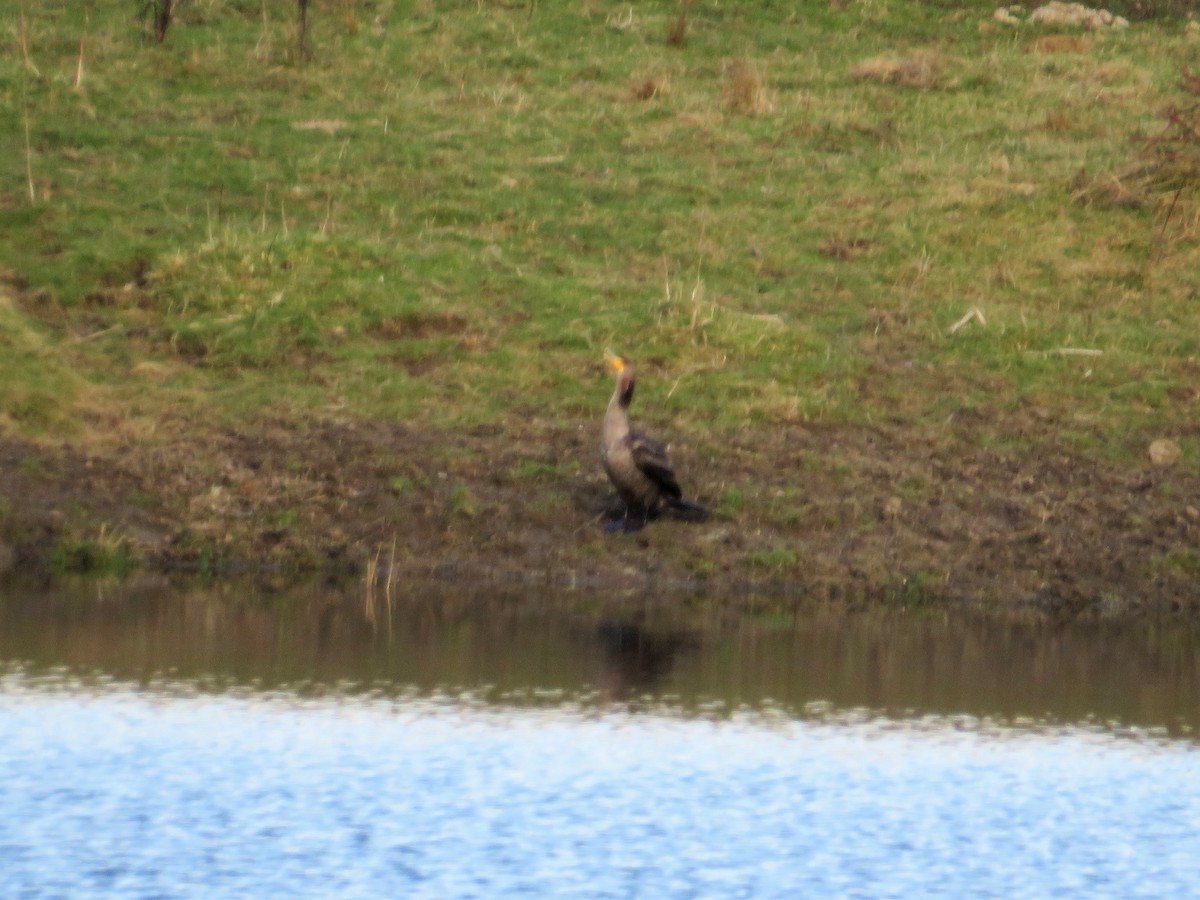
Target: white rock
1164	452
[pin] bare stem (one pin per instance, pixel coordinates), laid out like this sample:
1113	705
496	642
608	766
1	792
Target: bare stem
29	162
78	79
25	46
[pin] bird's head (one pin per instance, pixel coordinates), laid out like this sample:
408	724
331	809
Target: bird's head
624	372
615	363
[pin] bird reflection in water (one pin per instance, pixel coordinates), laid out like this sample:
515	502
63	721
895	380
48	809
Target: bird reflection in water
636	660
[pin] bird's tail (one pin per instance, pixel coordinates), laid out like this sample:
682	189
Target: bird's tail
687	510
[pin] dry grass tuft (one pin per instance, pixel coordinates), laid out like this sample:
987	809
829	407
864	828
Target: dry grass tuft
329	126
919	70
1111	190
1166	175
677	37
844	248
1057	121
1175	151
653	85
1059	43
745	91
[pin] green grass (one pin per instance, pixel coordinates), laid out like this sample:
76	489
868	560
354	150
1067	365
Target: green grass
452	209
105	554
775	558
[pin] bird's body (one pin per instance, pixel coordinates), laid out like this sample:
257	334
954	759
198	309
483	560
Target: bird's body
637	465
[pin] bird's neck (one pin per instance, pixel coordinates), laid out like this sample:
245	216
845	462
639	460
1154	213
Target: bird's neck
616	418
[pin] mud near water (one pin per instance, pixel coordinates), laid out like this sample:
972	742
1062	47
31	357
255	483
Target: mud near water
832	513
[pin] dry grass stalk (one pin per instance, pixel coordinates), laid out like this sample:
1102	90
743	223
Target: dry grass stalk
29	163
621	22
698	320
77	80
24	39
327	225
387	587
370	577
263	47
697	299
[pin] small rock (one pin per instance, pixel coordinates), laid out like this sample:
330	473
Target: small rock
1164	452
1058	13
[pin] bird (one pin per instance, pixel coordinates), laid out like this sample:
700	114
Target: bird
638	466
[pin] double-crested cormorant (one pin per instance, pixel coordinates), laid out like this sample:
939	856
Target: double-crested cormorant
638	466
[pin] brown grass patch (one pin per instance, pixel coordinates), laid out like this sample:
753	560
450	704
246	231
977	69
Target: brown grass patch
651	86
677	37
745	90
329	126
418	325
1111	190
1057	121
918	70
1060	43
844	248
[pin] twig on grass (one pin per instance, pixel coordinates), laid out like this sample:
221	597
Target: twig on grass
972	314
83	338
1160	244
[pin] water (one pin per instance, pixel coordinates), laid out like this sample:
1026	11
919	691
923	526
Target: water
219	742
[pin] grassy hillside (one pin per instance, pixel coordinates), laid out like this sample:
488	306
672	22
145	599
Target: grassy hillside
446	214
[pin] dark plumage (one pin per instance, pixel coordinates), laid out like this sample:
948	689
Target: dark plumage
638	466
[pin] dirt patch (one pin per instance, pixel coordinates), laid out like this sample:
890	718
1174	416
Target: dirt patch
830	512
418	325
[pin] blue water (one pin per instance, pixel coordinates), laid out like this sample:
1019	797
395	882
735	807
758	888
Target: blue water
110	790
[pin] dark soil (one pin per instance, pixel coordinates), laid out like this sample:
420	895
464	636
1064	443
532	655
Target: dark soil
832	513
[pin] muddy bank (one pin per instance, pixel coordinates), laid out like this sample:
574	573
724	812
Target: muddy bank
835	513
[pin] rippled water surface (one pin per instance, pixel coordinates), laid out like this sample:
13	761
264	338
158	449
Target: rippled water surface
222	742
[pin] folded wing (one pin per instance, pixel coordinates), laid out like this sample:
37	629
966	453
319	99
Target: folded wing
651	458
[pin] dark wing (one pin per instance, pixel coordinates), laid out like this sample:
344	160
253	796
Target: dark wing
651	458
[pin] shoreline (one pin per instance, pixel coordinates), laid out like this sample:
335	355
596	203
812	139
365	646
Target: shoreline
1029	534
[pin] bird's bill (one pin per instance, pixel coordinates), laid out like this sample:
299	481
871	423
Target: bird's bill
616	363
